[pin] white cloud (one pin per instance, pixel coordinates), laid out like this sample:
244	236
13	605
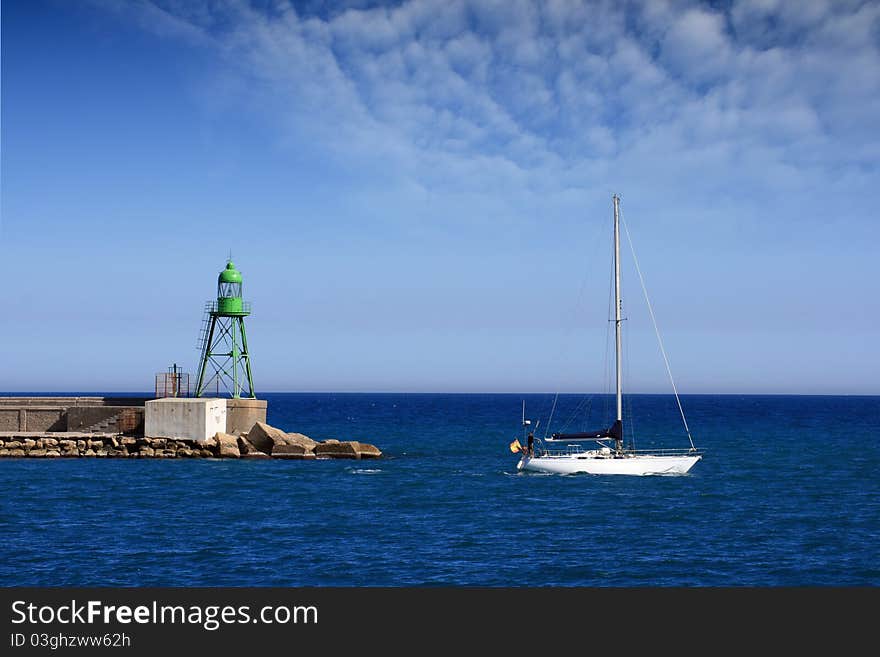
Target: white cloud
697	46
528	97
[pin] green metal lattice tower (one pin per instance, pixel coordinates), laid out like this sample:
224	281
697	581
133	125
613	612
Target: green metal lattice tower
225	361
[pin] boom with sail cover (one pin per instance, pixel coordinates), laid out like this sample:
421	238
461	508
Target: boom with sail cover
615	432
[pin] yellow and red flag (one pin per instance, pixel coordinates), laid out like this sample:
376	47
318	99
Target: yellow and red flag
515	446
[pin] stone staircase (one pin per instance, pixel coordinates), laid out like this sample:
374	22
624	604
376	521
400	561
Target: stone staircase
104	426
123	420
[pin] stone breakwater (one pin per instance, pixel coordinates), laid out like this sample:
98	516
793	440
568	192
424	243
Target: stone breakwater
261	442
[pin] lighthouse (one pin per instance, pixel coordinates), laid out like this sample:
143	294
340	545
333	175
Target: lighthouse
225	360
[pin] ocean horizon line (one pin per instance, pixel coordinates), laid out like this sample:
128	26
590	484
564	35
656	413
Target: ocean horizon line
145	393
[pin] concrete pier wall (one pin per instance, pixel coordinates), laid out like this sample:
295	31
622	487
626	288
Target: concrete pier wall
40	418
94	414
124	415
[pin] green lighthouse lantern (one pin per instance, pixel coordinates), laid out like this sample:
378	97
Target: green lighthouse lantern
225	361
229	291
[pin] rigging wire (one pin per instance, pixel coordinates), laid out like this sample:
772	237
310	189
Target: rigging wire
585	401
552	411
656	330
570	328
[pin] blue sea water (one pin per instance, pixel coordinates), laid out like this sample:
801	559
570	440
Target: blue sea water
788	494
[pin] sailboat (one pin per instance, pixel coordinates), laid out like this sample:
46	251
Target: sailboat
609	456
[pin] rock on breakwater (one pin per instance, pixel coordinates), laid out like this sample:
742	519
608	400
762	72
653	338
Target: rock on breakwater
261	442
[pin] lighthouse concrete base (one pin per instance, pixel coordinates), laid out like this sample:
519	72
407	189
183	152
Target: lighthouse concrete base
198	418
242	414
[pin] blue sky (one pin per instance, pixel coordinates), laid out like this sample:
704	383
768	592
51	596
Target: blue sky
418	194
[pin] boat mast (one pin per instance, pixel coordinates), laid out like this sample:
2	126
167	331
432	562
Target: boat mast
618	426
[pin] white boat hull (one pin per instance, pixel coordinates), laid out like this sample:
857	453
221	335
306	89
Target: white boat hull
641	464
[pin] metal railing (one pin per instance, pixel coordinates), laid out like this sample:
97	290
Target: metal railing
212	307
577	450
172	384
